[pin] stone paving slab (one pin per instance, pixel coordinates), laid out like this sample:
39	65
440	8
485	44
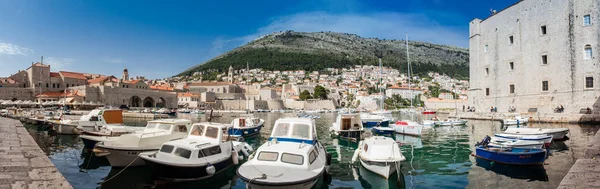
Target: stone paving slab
585	173
22	163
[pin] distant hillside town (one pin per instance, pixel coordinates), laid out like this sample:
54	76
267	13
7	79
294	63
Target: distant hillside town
359	87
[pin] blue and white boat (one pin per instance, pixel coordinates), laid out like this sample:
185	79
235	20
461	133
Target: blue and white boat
547	139
205	152
245	126
292	158
379	130
373	120
509	155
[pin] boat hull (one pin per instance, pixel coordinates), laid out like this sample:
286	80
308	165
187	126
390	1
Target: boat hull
243	132
65	129
384	130
349	134
409	130
384	169
185	173
123	158
515	122
303	185
533	157
371	124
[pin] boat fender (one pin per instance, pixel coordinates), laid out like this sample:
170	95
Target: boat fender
245	132
245	151
210	169
76	131
234	157
328	155
248	147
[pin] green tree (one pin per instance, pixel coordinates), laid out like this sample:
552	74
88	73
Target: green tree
320	92
305	95
434	91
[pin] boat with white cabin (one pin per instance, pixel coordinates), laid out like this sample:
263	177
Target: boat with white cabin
292	157
246	126
380	155
347	125
206	151
124	150
370	120
557	134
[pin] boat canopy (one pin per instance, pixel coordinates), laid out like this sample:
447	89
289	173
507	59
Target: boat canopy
294	130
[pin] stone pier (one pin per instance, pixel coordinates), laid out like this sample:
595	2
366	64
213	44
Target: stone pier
22	163
585	173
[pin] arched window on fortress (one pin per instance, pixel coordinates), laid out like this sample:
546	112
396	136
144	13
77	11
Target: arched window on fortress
588	52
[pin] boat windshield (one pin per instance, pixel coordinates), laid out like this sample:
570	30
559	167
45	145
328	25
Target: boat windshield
184	153
301	131
164	126
166	149
197	130
209	151
268	156
212	132
281	130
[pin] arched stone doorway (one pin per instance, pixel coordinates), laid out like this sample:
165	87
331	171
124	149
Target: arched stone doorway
136	101
161	103
148	102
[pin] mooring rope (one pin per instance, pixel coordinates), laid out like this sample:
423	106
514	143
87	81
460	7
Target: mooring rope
120	171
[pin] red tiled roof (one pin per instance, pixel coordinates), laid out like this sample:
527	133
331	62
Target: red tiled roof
161	87
54	74
202	84
102	79
7	80
188	94
73	75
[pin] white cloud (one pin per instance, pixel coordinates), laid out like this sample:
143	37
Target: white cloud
58	64
390	25
11	49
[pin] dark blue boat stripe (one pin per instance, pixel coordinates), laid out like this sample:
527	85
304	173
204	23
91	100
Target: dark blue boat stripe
306	141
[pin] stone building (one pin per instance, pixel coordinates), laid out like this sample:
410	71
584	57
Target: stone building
404	92
38	83
536	55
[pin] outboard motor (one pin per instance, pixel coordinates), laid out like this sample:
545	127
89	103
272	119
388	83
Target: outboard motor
485	141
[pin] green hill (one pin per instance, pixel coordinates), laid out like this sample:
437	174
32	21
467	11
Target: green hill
319	50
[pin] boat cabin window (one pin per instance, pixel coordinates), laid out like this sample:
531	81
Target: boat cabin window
164	126
301	131
256	121
182	128
242	122
281	130
209	151
268	156
346	123
292	158
94	118
312	156
166	149
212	132
151	125
184	153
197	130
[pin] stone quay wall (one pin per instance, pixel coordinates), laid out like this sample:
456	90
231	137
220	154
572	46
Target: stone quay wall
22	163
585	173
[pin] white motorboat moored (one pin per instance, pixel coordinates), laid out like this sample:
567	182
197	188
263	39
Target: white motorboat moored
125	150
515	143
206	151
518	120
557	134
380	155
544	138
450	122
246	126
292	158
408	127
347	125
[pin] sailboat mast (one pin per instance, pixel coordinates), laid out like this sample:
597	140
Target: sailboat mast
409	74
380	83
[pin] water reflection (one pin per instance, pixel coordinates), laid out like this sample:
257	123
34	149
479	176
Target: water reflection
530	173
440	159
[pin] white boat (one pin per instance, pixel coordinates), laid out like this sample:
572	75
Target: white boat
544	138
89	122
518	120
408	127
347	125
380	155
451	122
124	151
557	134
372	120
428	123
515	143
293	157
384	113
106	133
206	151
246	126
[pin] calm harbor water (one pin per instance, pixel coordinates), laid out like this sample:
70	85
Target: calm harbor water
439	160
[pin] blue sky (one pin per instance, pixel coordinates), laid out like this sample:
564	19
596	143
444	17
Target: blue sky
159	39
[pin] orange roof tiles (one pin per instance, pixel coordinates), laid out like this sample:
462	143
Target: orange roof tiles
133	82
54	74
161	87
188	94
7	80
73	75
102	79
